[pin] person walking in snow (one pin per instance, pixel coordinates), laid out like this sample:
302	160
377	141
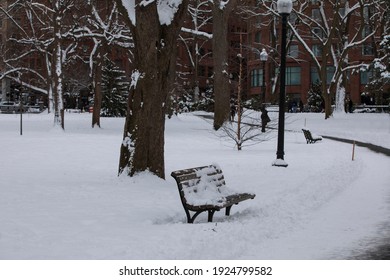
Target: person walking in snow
264	118
232	111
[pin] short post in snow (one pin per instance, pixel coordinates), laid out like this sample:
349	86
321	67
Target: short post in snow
21	112
284	9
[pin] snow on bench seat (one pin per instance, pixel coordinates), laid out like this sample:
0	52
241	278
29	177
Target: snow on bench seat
204	189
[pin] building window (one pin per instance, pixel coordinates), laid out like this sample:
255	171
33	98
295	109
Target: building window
366	13
293	51
365	76
293	18
317	33
293	76
367	49
256	77
317	50
259	21
316	15
367	30
330	70
342	12
315	77
257	37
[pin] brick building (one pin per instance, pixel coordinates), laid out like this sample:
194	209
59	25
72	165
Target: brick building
261	30
248	34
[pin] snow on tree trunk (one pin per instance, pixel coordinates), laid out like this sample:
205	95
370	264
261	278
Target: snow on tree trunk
338	34
155	37
340	100
57	81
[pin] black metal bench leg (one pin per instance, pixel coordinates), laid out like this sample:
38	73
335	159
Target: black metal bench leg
211	214
227	213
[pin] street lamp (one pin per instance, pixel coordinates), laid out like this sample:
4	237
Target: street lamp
284	9
263	58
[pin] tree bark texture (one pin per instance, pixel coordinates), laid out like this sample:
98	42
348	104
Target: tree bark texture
97	89
143	139
220	61
57	83
325	92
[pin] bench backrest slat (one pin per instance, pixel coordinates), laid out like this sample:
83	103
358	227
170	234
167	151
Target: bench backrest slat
190	178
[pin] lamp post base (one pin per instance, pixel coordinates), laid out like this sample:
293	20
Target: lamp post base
279	163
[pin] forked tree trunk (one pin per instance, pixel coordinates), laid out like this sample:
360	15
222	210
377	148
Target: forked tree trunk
143	139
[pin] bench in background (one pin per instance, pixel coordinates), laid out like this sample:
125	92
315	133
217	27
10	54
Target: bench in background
310	138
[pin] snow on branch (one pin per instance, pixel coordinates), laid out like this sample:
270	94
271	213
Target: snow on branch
197	32
166	9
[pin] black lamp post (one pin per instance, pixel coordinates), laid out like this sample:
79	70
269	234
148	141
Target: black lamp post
263	58
284	9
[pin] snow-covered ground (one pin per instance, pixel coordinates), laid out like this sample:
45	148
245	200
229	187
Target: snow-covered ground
61	197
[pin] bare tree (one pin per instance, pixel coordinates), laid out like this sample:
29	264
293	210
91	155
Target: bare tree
379	45
106	30
46	31
338	28
194	37
263	16
246	131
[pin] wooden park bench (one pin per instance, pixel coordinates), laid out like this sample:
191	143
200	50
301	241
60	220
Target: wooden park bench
309	137
203	189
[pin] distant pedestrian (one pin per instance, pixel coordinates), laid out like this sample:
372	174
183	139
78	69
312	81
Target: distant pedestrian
300	106
264	118
350	106
232	111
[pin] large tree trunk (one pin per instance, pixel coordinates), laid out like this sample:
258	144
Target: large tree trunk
324	88
57	85
97	90
143	139
326	95
220	60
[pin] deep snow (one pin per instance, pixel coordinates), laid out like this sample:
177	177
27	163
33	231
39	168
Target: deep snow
61	197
